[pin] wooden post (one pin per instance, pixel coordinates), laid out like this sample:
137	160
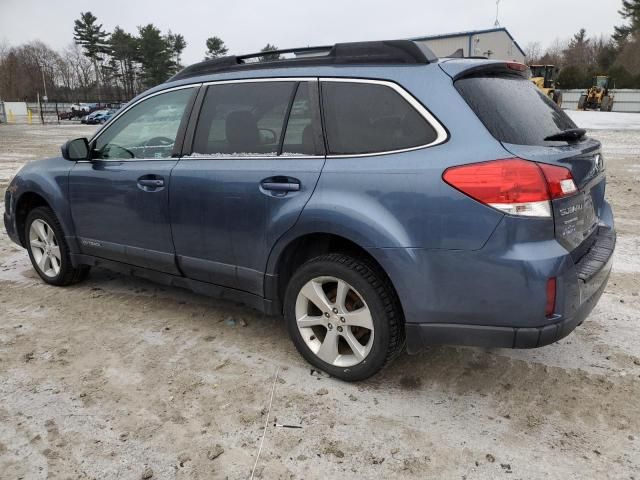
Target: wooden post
41	112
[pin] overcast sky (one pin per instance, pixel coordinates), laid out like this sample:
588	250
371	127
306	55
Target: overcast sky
247	25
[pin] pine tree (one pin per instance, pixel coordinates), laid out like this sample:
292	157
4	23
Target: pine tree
630	11
215	48
93	40
178	44
269	56
155	54
579	50
124	49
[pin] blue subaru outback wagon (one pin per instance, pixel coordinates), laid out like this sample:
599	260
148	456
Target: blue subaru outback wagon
374	195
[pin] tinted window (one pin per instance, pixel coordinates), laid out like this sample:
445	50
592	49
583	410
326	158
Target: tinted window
513	109
147	130
303	134
243	118
368	118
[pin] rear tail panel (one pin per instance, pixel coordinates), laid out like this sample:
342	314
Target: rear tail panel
528	125
577	216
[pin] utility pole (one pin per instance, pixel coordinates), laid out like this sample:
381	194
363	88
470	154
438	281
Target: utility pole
44	84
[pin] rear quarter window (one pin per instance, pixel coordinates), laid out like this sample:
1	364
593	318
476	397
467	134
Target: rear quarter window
371	118
513	109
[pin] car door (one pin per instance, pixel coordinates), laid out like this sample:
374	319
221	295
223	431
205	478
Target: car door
119	199
256	156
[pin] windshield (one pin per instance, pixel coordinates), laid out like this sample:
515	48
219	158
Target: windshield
513	109
537	70
601	82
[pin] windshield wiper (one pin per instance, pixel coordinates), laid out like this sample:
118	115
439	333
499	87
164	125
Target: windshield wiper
568	134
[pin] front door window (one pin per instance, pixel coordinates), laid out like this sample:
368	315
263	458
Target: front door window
148	130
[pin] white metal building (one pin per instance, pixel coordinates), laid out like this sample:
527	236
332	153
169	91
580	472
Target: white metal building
496	43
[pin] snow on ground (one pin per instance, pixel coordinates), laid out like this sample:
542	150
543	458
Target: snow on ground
596	120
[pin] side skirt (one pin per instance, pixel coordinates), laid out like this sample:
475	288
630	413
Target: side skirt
256	302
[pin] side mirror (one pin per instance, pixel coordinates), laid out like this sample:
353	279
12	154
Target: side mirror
77	149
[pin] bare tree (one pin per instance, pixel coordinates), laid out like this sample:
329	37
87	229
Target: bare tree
533	52
554	55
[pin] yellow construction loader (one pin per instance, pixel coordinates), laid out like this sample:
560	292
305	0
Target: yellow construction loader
543	77
598	96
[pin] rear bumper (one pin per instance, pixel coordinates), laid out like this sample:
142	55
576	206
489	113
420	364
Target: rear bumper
496	296
421	335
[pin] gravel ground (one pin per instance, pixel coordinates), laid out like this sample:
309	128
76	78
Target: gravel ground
120	378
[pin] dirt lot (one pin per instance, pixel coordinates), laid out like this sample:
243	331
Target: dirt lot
116	376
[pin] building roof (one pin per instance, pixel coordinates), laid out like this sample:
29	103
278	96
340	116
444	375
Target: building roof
471	33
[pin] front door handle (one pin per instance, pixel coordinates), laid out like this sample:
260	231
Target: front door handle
150	183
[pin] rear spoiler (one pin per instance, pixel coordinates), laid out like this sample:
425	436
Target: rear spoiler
462	68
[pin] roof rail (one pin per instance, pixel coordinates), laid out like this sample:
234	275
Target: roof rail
388	52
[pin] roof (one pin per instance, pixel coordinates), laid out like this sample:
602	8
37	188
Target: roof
470	33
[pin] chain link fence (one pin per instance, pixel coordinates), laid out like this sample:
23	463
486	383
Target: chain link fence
49	112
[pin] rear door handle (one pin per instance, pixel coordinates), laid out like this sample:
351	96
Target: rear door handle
279	186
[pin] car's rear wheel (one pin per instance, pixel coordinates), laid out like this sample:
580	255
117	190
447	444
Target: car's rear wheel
344	316
48	250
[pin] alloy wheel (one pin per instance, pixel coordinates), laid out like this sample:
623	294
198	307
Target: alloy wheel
44	247
334	321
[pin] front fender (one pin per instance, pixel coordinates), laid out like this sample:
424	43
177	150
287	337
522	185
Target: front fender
48	179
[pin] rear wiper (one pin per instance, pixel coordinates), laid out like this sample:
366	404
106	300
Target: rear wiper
568	134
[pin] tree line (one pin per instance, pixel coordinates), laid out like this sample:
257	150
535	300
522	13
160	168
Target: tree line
116	66
582	57
99	65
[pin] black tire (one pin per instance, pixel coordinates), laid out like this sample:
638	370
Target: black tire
68	274
557	98
581	102
379	296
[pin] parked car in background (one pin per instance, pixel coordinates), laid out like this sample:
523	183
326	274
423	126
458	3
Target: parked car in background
83	110
81	107
89	119
99	117
66	115
399	200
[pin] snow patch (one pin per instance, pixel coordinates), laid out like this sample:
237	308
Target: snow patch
595	120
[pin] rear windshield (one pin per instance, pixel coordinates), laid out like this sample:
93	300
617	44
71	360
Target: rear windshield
513	109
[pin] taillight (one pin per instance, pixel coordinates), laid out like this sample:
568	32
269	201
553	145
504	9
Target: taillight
559	180
512	185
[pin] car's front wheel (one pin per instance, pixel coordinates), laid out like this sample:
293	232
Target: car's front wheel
344	316
48	250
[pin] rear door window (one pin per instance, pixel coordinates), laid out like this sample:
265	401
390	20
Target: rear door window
365	118
304	133
513	109
243	119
